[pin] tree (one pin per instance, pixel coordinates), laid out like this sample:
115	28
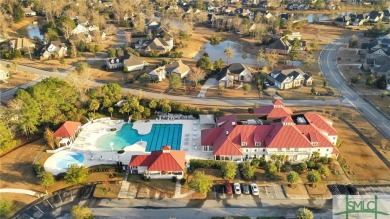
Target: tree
218	64
272	59
260	58
48	135
51	35
381	83
204	62
5	207
304	213
80	212
247	88
196	75
324	170
6	138
111	52
229	170
314	177
270	169
228	53
200	182
17	12
221	88
94	105
295	49
175	81
248	171
313	90
353	41
139	23
309	60
110	110
144	79
292	177
66	25
46	179
76	174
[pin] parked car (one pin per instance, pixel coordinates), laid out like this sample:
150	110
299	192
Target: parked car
352	190
237	188
228	189
245	189
254	189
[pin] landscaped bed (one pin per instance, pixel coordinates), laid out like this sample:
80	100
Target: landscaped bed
107	190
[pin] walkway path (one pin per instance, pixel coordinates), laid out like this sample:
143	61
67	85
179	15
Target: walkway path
211	82
123	193
22	191
178	191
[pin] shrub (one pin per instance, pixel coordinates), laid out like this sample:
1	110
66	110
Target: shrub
183	181
262	162
174	179
213	164
38	168
311	164
60	176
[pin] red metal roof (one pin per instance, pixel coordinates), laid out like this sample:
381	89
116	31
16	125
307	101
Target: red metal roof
274	111
277	102
286	136
67	129
164	160
321	122
315	135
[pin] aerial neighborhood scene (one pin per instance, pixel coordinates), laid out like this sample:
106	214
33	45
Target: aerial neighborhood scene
194	109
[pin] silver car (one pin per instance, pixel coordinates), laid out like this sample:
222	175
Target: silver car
237	188
254	189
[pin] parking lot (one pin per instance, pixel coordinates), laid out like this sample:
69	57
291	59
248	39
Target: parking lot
265	192
337	190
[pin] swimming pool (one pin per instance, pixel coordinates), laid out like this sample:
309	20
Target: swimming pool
160	135
64	161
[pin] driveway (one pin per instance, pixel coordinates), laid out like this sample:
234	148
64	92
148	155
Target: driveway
211	82
328	65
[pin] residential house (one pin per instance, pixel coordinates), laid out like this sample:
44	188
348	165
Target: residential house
55	49
21	44
163	164
158	74
114	63
221	21
296	137
177	67
386	14
4	73
98	36
157	45
342	21
28	12
375	16
234	72
280	46
244	12
358	19
379	65
81	29
67	133
133	63
290	78
265	14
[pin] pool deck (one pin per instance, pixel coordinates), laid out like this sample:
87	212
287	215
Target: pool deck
85	142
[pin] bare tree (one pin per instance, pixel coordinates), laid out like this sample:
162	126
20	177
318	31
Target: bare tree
196	75
272	59
228	53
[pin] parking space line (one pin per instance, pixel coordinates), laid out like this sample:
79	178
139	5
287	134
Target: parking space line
266	192
373	190
384	193
276	195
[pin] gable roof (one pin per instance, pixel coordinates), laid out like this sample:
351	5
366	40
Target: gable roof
163	160
235	69
280	44
276	110
286	136
281	75
132	61
321	122
177	67
67	129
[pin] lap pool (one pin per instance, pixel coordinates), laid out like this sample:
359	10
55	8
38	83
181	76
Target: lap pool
160	135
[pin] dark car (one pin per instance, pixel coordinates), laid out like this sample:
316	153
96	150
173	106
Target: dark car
352	190
245	189
228	188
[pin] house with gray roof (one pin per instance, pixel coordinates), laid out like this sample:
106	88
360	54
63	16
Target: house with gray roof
379	65
290	78
234	72
280	46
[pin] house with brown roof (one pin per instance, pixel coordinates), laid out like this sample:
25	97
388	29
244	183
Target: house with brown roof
160	45
280	46
274	130
163	164
55	49
67	133
234	72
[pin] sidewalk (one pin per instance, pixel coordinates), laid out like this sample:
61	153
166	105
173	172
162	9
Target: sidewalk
22	191
211	82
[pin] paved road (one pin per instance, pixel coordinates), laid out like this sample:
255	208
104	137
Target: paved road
328	66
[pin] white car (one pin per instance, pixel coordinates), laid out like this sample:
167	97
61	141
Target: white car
237	188
254	189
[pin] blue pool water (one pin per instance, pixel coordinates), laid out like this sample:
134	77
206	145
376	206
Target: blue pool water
65	161
160	135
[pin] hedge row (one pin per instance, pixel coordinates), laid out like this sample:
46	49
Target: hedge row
212	164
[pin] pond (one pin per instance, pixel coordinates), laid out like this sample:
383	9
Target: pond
31	31
216	52
312	18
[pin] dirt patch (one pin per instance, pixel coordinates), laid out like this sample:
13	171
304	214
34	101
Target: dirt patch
237	92
214	174
161	185
107	190
297	191
18	201
319	191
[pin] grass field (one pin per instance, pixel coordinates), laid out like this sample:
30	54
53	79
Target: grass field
107	190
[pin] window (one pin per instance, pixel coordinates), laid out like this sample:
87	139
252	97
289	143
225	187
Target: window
257	143
327	149
279	149
246	150
244	143
295	149
319	150
263	150
287	149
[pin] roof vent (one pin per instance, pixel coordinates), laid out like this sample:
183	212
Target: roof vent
233	123
227	132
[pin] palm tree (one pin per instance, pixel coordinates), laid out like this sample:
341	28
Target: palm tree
228	53
292	178
304	213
